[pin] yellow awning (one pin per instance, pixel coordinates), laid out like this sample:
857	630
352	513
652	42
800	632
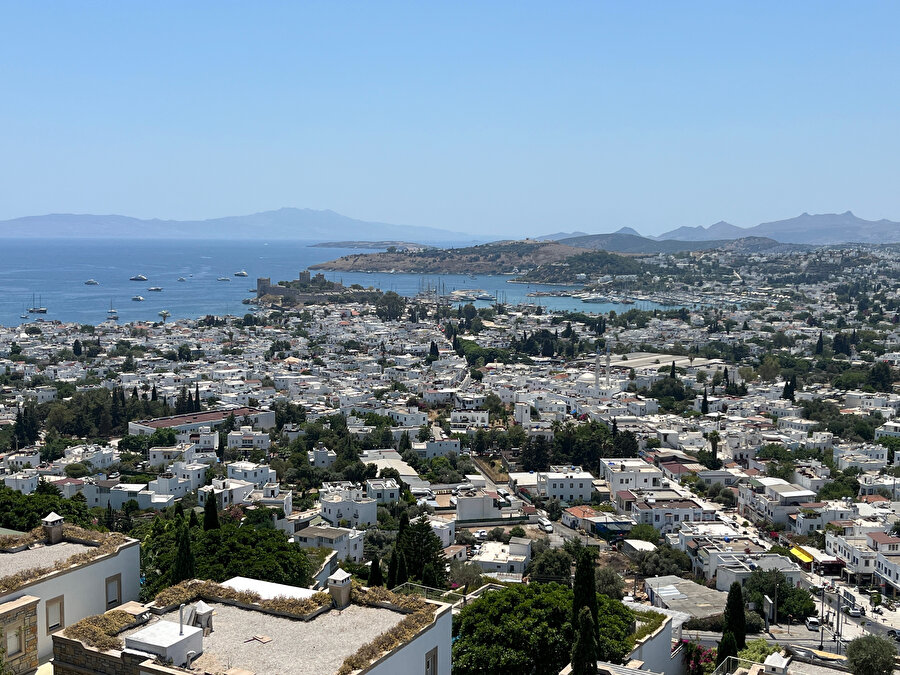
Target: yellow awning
801	555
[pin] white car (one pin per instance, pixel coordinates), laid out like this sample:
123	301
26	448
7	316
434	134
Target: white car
812	623
481	534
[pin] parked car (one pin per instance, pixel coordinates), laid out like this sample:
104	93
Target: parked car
852	611
812	623
481	534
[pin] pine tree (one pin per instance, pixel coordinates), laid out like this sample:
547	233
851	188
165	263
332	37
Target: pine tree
735	620
392	569
585	586
375	576
183	567
727	647
210	513
584	650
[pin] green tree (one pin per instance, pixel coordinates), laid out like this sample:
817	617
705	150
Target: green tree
375	576
609	583
584	651
402	572
871	655
184	566
645	532
584	588
389	306
727	647
210	513
735	621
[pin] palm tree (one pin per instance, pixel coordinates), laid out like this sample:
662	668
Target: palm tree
165	315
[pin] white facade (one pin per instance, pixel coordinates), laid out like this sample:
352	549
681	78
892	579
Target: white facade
383	490
258	474
247	439
565	483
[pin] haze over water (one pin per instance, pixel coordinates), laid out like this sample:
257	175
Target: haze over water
55	271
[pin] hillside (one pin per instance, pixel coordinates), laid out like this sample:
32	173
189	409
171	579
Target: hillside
591	264
286	223
619	242
496	258
816	229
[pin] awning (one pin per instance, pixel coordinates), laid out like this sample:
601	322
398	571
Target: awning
801	555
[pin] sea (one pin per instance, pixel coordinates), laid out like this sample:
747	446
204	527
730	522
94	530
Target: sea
51	273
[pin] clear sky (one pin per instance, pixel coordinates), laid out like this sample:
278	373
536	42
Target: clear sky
495	118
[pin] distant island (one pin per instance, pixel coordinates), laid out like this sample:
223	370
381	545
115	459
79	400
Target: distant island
387	245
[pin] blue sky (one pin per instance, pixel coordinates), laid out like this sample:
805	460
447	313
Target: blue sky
506	118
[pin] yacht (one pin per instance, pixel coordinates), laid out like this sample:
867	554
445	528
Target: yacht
138	298
138	277
223	279
155	289
91	282
181	279
36	308
483	295
242	273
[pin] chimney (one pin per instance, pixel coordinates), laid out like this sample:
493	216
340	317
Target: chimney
339	588
53	528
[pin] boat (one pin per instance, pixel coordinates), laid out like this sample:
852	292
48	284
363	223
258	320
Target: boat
24	314
181	279
484	295
595	297
155	289
242	273
138	277
223	279
91	282
36	308
138	298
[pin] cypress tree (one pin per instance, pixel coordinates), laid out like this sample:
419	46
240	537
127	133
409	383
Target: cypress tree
819	344
110	520
584	650
210	514
585	586
196	397
183	568
727	647
672	371
153	395
704	404
392	569
192	520
402	572
375	576
735	621
76	347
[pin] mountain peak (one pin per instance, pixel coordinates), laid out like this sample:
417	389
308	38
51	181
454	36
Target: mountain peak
627	230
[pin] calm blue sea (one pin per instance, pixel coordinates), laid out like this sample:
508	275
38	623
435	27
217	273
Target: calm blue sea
53	272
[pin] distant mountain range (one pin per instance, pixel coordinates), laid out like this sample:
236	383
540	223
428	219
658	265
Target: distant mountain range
286	223
824	228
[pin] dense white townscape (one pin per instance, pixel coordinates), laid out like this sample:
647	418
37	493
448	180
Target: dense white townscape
745	435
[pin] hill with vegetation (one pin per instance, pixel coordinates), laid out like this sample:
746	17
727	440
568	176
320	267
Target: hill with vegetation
624	242
583	266
500	257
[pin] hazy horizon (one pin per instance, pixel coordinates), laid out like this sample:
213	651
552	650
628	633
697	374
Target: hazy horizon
503	119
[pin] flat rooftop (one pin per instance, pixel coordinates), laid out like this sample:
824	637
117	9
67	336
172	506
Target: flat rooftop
296	647
38	556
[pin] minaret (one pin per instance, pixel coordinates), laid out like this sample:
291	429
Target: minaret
597	373
607	364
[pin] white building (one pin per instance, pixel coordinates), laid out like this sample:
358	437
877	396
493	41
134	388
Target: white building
347	542
258	474
248	439
347	502
510	558
565	483
56	599
383	490
226	491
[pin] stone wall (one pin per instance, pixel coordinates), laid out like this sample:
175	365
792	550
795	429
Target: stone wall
21	616
71	657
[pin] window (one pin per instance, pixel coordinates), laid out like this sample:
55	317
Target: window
14	639
55	614
113	591
431	662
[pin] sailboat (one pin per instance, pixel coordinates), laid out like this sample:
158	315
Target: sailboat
24	314
36	309
112	313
